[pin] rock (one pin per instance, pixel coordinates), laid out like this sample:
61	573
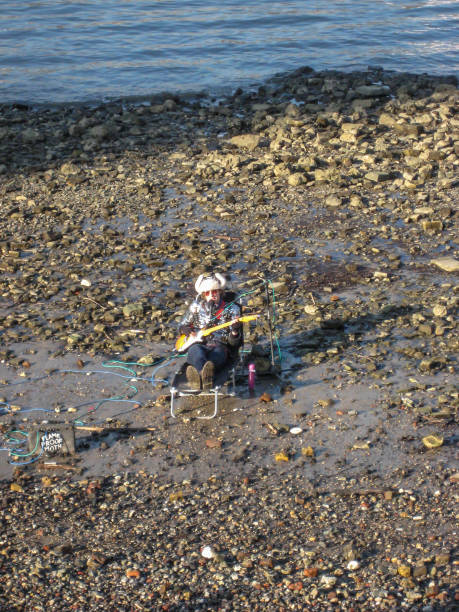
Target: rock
280	287
333	201
100	132
430	364
213	443
265	397
355	201
323	174
281	457
387	120
377	177
435	226
31	136
131	310
68	168
447	264
74	338
295	179
262	365
432	441
247	141
404	570
328	582
419	571
147	359
440	310
169	105
442	559
373	91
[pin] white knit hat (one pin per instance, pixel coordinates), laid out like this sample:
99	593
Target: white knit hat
209	283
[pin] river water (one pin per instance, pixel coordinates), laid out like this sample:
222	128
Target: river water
83	50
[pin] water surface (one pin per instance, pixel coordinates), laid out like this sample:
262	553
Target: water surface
70	50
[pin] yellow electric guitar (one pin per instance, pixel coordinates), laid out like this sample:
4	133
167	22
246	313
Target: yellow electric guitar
184	342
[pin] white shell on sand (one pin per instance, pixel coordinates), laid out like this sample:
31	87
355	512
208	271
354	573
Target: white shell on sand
207	552
296	430
353	565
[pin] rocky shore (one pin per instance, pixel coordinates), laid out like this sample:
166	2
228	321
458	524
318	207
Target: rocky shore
342	191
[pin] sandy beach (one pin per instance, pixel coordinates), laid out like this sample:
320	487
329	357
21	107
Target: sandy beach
334	485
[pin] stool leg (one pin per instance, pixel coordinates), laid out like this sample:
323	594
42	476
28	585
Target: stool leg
216	390
173	392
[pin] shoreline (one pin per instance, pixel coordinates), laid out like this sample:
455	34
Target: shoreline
221	93
347	201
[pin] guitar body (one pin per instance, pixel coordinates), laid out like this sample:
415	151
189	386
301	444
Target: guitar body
184	342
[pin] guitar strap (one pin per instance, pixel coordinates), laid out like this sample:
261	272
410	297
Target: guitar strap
220	312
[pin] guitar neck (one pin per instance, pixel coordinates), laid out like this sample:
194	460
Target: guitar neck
244	319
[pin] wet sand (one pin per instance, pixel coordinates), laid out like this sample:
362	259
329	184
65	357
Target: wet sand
347	203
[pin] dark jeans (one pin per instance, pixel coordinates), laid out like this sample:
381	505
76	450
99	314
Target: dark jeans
199	353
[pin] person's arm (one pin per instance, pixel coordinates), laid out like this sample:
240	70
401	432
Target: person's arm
235	330
186	325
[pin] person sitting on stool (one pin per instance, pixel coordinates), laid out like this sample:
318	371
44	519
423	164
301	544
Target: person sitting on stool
209	309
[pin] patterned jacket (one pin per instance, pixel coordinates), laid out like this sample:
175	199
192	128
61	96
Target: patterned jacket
201	314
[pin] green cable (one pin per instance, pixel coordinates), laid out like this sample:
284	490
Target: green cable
106	364
27	454
10	438
110	399
121	365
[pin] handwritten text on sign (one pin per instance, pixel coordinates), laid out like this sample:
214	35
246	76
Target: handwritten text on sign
52	442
